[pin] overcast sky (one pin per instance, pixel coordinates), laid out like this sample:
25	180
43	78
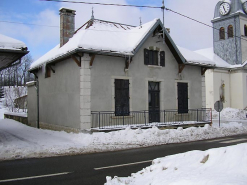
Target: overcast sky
40	39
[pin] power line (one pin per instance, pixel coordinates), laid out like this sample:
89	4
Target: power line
125	6
161	7
106	4
28	23
200	22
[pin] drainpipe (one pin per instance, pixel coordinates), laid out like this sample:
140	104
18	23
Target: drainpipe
37	89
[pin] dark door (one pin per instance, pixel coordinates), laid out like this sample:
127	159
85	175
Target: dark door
182	97
154	101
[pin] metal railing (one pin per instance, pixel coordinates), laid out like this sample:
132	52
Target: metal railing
108	119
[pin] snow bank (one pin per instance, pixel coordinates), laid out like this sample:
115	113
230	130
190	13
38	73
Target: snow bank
21	141
230	114
2	110
226	165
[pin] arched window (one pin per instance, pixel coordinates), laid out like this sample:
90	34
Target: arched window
245	30
230	31
222	33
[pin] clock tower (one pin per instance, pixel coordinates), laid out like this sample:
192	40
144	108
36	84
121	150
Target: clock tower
230	33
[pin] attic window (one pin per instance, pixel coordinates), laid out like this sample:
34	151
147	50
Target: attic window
230	31
245	30
154	57
222	33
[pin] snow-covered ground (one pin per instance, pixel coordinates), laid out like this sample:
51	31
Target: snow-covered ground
21	141
226	165
230	114
2	109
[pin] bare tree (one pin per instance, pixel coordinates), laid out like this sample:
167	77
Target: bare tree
15	98
15	78
17	75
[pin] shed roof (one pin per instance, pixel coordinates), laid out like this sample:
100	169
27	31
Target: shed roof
11	50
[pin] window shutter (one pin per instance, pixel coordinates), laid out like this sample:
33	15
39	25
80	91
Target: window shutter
155	57
121	97
162	58
146	56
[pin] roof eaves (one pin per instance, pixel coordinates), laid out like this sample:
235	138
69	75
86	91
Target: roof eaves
81	50
105	52
53	60
23	50
200	64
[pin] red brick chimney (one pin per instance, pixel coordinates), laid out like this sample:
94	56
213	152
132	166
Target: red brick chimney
67	25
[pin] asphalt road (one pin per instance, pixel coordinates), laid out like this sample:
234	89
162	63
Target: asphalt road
93	168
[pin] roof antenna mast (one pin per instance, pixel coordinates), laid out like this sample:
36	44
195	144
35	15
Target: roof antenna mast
163	9
92	17
140	22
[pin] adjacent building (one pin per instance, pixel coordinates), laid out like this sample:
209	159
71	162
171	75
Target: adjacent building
228	81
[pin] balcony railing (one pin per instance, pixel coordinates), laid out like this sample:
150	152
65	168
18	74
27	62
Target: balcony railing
108	119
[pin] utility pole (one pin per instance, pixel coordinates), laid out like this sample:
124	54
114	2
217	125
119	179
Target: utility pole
163	9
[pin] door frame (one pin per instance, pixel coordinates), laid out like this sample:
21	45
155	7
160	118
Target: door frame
155	93
161	81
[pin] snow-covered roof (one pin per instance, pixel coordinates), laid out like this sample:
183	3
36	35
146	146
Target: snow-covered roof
100	36
219	62
195	58
10	43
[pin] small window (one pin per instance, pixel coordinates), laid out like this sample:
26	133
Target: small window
47	72
230	31
222	33
245	30
152	57
121	97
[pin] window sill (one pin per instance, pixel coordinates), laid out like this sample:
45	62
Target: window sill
154	66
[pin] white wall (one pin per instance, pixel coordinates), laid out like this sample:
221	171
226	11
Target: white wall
239	91
213	81
235	89
105	69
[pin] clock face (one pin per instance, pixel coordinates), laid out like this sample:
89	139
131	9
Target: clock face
245	7
225	8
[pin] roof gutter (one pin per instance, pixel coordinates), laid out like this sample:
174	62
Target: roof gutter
23	51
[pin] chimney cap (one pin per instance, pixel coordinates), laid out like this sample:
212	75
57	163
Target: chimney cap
63	9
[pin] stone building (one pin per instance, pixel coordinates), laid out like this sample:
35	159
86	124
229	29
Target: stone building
114	67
